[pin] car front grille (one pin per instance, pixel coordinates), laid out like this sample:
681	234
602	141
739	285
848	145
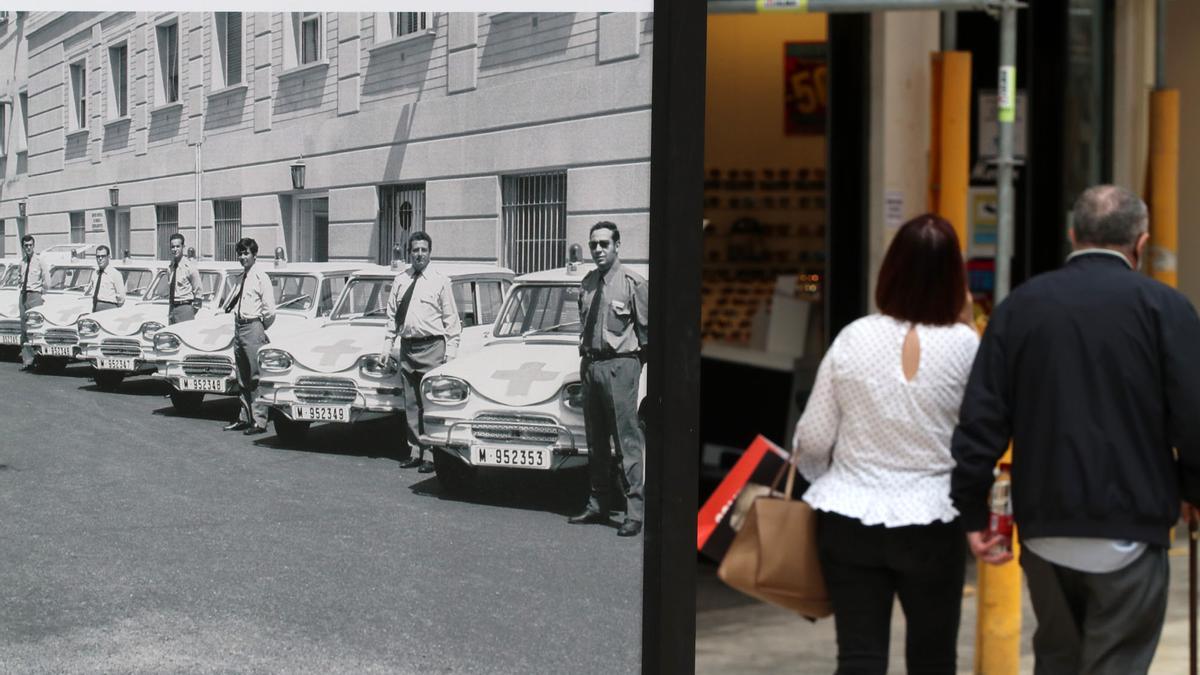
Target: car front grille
326	390
208	366
118	348
62	336
10	327
515	428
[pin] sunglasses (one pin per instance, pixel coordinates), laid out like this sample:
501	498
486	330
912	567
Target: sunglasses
598	244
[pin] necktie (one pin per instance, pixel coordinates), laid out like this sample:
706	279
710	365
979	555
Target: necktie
589	328
402	312
96	291
171	293
25	281
236	300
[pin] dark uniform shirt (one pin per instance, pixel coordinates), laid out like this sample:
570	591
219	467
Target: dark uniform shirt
622	325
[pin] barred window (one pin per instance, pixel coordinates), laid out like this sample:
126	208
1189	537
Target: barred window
534	221
408	23
77	227
227	223
167	216
401	212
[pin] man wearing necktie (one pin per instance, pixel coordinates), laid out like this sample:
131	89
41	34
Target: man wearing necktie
186	288
108	286
35	275
422	313
613	309
253	308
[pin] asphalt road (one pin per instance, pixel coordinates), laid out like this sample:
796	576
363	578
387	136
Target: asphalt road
136	540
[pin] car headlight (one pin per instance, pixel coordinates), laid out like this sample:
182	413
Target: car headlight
148	330
166	343
444	389
274	360
34	320
88	328
572	396
370	365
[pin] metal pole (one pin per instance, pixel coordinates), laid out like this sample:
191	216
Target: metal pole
1160	45
199	187
949	31
767	6
1006	106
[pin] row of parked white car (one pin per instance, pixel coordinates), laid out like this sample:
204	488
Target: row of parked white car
510	400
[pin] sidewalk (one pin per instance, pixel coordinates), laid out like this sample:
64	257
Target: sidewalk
737	634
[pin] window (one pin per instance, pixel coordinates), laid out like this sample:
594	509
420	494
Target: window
331	290
168	64
408	23
118	95
77	227
308	240
118	232
491	294
22	126
79	110
228	64
464	300
534	221
401	212
304	40
168	224
227	220
4	126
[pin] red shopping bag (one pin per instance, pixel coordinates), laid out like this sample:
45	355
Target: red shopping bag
720	518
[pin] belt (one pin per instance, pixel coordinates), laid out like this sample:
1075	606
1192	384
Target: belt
181	303
422	339
605	354
242	322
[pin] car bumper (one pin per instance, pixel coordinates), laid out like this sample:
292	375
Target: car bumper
129	360
357	405
462	438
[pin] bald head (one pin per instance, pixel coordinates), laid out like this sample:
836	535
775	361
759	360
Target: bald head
1109	216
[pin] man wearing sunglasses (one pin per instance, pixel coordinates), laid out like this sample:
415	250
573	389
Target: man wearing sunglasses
613	310
35	274
108	286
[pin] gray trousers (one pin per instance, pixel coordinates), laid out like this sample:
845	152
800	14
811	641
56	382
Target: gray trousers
179	313
28	301
101	305
416	359
610	393
247	340
1099	624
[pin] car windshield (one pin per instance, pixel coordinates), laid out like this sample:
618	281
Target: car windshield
296	292
136	281
541	308
12	277
69	279
363	298
161	288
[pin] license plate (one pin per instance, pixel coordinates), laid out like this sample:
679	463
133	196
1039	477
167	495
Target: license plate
322	413
114	364
10	339
216	384
57	350
521	458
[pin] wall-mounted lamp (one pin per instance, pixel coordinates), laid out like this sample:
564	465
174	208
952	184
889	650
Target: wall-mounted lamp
298	173
114	196
21	208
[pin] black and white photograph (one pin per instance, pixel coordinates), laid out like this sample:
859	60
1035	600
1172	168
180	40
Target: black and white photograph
324	340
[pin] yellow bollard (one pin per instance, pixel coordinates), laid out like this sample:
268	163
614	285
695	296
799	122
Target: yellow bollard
950	137
1163	182
998	612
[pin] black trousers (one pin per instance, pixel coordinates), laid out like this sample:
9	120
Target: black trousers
417	358
1097	623
247	340
610	400
867	567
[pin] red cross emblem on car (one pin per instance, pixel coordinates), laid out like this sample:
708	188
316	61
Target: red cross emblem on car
127	322
522	379
329	353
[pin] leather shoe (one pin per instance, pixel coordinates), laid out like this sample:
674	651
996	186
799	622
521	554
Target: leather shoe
629	528
426	467
254	431
587	517
236	426
410	462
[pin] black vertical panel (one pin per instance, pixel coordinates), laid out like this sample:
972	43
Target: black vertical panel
672	402
1039	244
847	170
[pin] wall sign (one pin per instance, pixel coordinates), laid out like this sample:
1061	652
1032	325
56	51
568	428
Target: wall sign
806	91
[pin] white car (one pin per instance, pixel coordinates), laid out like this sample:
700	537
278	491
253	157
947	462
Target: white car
67	281
333	373
120	342
52	327
517	403
196	357
10	313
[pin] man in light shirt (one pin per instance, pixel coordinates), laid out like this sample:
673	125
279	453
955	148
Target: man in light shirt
35	276
422	314
253	308
186	288
108	286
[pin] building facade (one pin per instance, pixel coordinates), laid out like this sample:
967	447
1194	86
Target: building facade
330	135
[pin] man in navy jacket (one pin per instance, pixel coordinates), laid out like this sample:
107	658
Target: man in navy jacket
1093	372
